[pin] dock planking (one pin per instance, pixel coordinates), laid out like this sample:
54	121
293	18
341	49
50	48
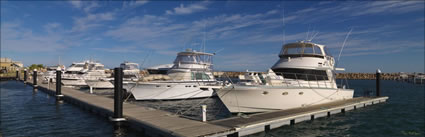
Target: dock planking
150	121
155	122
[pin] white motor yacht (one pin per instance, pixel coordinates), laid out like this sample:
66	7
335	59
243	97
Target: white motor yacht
91	72
131	71
75	67
191	77
50	73
303	76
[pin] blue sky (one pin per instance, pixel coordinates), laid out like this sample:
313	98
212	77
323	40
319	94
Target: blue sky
248	34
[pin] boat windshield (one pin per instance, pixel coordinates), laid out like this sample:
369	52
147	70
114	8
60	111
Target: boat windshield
300	50
194	59
199	76
94	67
129	66
77	65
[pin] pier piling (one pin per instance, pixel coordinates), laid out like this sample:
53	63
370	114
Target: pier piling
118	102
58	85
378	82
25	76
204	113
17	74
34	76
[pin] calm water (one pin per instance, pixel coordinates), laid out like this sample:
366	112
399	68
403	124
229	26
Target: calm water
26	114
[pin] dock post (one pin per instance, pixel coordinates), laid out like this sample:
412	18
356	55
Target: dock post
204	113
25	76
59	95
17	74
118	117
34	76
378	82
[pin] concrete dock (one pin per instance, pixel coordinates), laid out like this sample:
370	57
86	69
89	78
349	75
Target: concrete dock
154	122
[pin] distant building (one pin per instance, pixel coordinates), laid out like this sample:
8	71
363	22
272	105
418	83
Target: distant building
8	65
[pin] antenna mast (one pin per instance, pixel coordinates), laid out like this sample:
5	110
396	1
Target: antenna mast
283	23
205	40
343	44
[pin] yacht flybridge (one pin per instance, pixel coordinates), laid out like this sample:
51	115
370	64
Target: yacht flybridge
191	77
302	77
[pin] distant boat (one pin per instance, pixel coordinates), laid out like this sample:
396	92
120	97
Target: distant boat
302	77
78	73
75	67
418	78
191	77
131	71
160	69
50	73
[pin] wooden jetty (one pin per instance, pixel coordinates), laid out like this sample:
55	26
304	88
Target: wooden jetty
154	122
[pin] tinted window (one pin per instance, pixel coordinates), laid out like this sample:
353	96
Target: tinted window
304	74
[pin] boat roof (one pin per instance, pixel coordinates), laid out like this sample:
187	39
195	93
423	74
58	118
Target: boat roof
125	63
194	52
161	66
303	43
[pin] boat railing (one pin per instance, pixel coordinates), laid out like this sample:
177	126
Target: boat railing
85	77
293	80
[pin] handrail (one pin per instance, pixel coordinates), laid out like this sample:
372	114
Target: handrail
288	79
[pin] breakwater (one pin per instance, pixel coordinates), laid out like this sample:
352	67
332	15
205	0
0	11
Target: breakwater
366	76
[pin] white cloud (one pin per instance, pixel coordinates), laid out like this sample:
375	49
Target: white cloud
131	4
91	21
76	3
192	8
245	60
146	28
120	49
86	6
90	7
19	39
395	7
340	10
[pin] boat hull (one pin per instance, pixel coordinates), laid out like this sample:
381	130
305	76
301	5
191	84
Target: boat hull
251	99
168	91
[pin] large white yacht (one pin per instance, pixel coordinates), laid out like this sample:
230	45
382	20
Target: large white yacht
91	71
303	76
50	73
131	71
191	77
75	67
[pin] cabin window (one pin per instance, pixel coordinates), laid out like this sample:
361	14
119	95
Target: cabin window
301	50
317	50
293	50
99	67
308	50
199	76
129	66
302	74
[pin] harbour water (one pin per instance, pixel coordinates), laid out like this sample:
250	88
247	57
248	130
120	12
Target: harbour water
27	113
24	113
